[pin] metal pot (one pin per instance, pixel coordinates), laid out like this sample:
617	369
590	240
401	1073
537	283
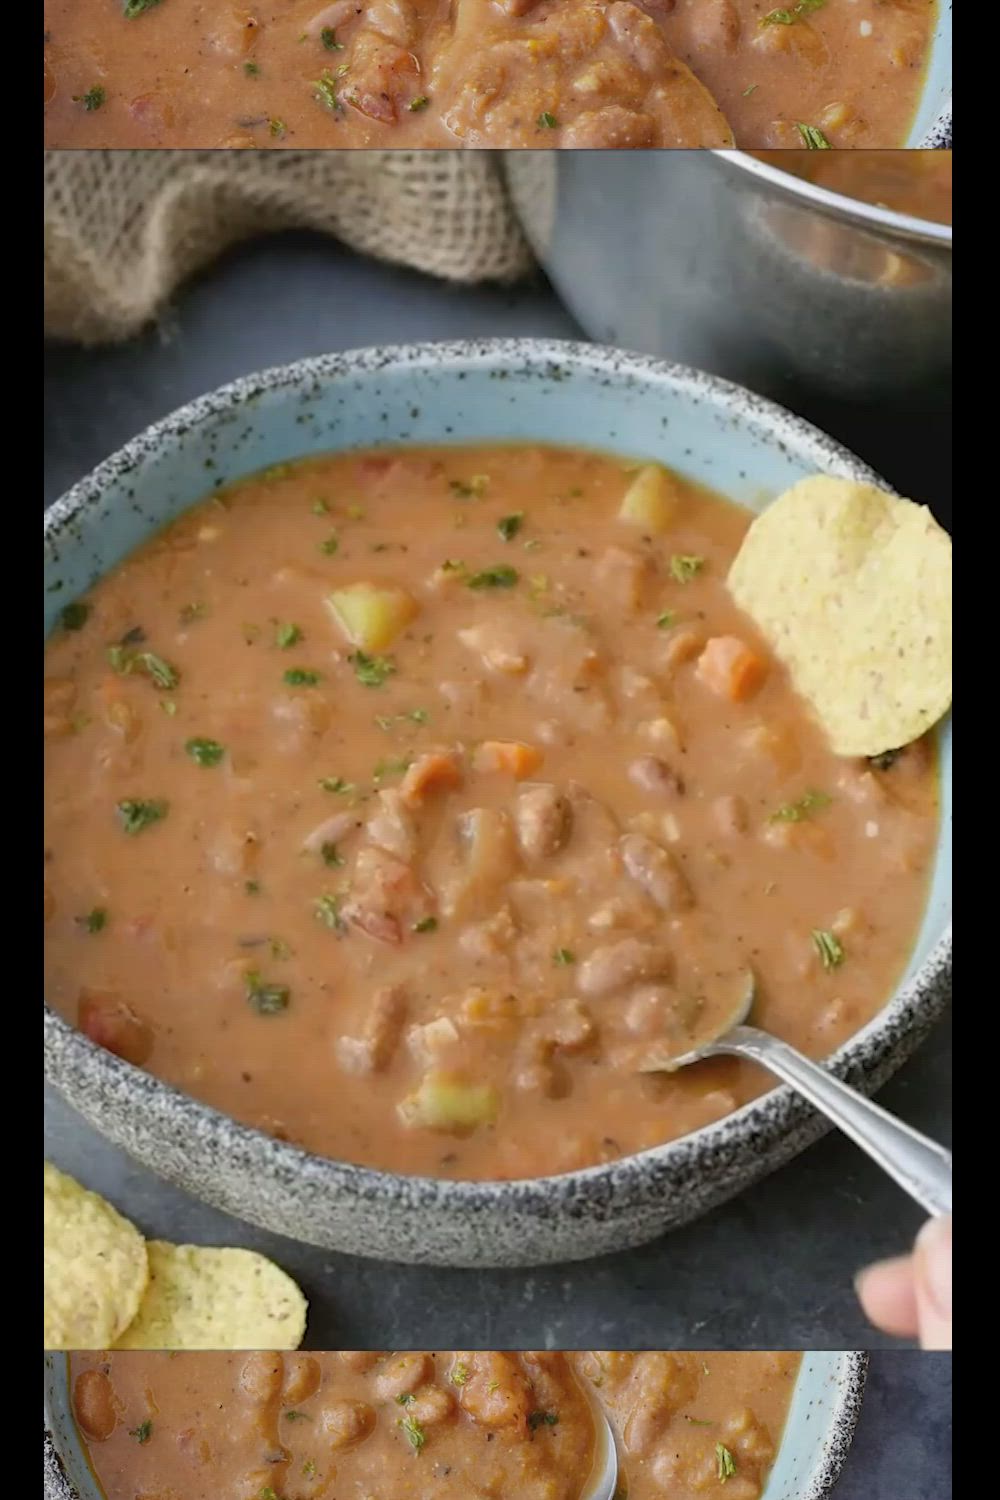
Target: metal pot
725	262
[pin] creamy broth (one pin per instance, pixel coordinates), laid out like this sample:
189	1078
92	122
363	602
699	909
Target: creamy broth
908	182
429	907
511	73
484	1425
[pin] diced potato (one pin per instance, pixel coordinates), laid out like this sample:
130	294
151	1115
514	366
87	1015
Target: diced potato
445	1103
371	616
650	500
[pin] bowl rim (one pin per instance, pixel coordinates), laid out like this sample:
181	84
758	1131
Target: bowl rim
833	1447
839	205
866	1055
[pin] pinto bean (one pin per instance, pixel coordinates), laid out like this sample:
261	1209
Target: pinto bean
656	871
401	1375
650	774
612	967
94	1404
372	1051
342	1423
543	818
303	1378
261	1376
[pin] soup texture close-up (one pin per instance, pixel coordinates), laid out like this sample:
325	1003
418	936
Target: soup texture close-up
514	1425
908	182
503	73
398	803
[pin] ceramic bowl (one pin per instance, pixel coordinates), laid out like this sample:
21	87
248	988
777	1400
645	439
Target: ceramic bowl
523	389
823	1415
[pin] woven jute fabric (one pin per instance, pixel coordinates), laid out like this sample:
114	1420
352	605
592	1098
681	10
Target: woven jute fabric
124	228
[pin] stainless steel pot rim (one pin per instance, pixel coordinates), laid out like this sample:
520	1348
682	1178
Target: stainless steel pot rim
837	205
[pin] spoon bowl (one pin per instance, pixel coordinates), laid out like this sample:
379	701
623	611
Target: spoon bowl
603	1481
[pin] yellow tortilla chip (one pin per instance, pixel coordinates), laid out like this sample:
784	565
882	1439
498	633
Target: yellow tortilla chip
852	589
95	1267
206	1298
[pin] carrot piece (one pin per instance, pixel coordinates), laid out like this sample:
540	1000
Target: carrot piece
436	769
729	667
512	756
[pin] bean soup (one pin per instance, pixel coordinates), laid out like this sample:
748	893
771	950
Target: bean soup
908	182
476	1425
504	73
399	802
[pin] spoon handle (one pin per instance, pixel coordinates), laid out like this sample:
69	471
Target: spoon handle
920	1166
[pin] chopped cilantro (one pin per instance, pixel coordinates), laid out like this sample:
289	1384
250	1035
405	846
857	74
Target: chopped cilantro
459	1374
136	814
142	1433
831	953
685	568
415	1434
795	812
92	99
726	1463
416	105
135	8
329	547
405	1398
500	577
337	784
509	526
426	924
538	1419
267	999
331	856
371	671
665	620
286	634
301	677
547	121
276	127
327	910
95	920
298	1416
328	37
205	752
326	92
251	69
564	956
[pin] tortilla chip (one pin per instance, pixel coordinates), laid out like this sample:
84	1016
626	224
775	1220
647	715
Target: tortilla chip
201	1298
852	589
95	1267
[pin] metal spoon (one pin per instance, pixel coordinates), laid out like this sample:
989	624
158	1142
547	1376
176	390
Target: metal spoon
920	1166
603	1481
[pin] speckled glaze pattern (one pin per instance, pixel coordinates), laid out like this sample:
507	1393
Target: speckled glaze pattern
520	389
822	1419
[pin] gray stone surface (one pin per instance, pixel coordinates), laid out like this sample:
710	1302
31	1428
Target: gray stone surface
775	1267
902	1448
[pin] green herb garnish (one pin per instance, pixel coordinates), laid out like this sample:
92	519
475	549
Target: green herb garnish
286	635
386	768
136	814
252	887
371	671
95	920
547	121
74	616
298	1416
251	69
831	953
415	1434
405	1398
813	137
205	752
135	8
725	1461
748	91
192	612
92	99
416	105
276	127
329	39
795	812
327	910
337	784
329	547
301	677
459	1374
470	489
665	620
509	526
142	1432
267	999
500	577
564	956
123	661
426	924
331	856
684	568
538	1419
697	1422
326	92
414	716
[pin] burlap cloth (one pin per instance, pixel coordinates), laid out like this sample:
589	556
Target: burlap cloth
124	228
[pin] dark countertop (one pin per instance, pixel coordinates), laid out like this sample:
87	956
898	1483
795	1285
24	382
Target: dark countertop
774	1268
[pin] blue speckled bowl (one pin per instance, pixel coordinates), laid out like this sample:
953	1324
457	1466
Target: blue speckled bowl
932	123
826	1404
532	390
